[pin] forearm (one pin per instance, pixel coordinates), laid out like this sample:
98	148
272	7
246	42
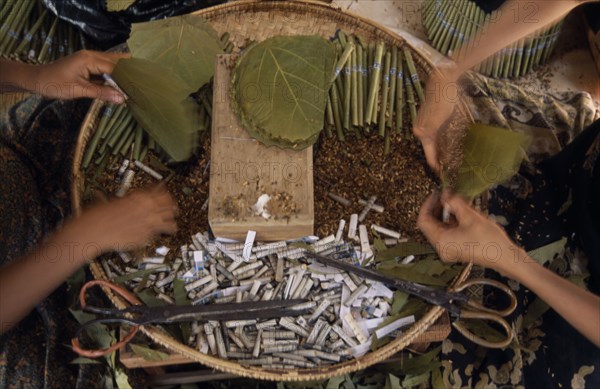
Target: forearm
17	77
27	281
576	305
517	19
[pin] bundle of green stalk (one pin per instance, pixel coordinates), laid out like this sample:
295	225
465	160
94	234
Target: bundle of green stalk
153	120
119	135
31	33
452	25
372	85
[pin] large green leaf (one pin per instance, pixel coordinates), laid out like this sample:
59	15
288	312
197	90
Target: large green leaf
185	45
280	88
160	103
491	155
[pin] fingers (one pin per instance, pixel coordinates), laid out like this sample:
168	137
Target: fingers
102	92
428	143
430	150
103	62
430	225
458	206
95	91
113	57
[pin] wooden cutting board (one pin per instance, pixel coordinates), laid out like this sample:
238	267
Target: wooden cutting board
242	169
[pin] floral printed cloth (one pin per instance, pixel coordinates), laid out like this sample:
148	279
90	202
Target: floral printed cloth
554	198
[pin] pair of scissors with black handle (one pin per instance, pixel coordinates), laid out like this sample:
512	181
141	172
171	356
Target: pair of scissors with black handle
458	304
139	314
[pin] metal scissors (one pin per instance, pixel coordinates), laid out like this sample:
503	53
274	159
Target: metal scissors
458	304
139	314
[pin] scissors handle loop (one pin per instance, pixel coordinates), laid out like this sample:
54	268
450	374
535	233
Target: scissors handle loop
130	297
460	327
475	310
476	306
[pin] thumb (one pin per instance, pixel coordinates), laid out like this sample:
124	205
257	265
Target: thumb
431	227
102	92
431	155
458	206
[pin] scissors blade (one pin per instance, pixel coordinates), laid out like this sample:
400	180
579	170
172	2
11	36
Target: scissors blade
432	295
229	311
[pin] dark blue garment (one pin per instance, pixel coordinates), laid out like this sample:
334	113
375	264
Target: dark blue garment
37	139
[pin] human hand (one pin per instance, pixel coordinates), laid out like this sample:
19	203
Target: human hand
128	222
441	96
77	76
469	237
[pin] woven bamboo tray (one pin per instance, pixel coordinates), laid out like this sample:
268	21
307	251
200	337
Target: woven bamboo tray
248	21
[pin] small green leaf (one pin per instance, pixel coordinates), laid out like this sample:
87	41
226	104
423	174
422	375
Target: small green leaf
535	310
429	272
122	379
118	5
378	243
378	343
483	330
181	297
147	353
392	382
546	253
411	381
415	365
348	384
82	317
437	380
491	155
149	298
84	361
413	307
403	249
136	274
399	301
335	382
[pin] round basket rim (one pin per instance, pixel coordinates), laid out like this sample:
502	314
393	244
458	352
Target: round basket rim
156	334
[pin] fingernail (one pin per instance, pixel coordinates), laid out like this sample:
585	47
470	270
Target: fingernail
117	99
